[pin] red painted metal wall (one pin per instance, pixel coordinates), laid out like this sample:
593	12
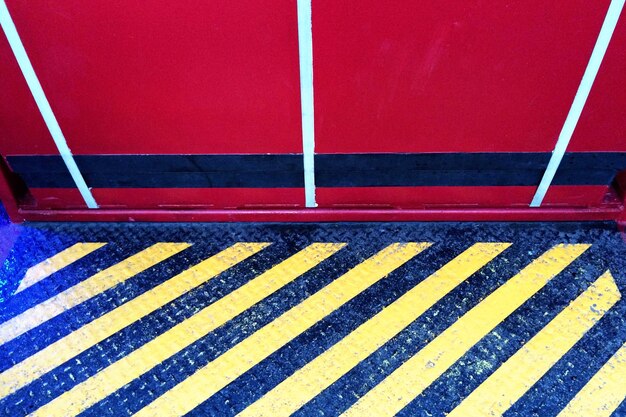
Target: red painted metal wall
462	76
158	77
204	78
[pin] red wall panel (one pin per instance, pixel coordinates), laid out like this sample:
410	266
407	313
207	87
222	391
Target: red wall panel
602	124
161	76
156	77
22	129
453	76
221	77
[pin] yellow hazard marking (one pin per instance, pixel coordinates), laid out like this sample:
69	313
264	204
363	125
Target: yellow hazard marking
87	289
421	370
211	378
112	322
309	381
59	261
515	376
189	331
604	392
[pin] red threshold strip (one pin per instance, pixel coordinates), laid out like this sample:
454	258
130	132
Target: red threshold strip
327	215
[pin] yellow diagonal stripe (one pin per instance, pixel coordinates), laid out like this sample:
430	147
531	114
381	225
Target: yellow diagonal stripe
110	323
252	350
51	265
601	396
421	370
511	380
87	289
184	334
320	373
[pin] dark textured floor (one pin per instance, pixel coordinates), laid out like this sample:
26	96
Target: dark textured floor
23	246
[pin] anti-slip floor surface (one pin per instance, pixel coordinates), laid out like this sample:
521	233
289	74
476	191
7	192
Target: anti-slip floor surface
354	319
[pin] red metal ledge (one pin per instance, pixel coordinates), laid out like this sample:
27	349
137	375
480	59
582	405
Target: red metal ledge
327	215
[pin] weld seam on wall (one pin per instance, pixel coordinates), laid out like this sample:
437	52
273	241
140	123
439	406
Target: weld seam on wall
305	50
42	103
602	43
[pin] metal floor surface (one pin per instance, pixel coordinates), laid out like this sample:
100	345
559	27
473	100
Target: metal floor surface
353	319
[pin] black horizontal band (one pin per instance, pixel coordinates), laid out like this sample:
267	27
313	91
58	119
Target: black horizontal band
331	170
164	171
463	169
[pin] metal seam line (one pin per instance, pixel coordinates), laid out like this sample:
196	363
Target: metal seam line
602	43
305	50
42	103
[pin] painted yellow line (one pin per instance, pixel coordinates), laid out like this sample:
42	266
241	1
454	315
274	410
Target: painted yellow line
211	378
421	370
87	289
184	334
62	259
110	323
603	393
309	381
515	376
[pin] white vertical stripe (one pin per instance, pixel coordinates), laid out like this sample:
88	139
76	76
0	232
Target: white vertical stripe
610	21
42	103
305	44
